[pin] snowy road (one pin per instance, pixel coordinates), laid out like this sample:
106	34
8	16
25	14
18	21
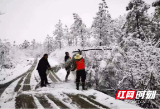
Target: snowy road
26	93
5	85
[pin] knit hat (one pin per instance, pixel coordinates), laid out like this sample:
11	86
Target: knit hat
78	56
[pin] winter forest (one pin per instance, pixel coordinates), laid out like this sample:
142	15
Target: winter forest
128	55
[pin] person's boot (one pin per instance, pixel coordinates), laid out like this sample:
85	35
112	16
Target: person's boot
83	86
77	86
48	83
43	85
66	79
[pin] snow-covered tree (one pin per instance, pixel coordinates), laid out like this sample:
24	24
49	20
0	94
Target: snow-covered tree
117	29
5	48
25	44
59	33
157	10
78	29
141	68
67	36
49	44
156	21
102	24
33	44
138	23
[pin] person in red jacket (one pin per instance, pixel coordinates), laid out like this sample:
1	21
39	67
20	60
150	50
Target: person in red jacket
79	65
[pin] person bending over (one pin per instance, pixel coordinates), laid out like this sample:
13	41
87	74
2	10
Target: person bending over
43	65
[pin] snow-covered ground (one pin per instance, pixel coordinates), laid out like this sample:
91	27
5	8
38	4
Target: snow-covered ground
70	88
7	99
59	90
7	75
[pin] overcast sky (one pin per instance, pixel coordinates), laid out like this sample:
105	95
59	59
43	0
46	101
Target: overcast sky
34	19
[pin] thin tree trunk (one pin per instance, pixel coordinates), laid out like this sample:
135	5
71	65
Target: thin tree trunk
137	21
82	44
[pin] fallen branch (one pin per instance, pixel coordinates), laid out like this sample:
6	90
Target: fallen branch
93	49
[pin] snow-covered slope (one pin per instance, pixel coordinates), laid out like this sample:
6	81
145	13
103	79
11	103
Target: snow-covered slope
7	75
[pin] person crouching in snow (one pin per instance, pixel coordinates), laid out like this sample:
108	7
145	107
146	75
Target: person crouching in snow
78	63
67	58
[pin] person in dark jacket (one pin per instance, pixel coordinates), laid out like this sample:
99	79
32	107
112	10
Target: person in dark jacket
78	63
43	65
68	67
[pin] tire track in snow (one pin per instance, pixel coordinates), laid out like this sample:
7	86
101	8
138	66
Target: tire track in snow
48	100
4	86
57	102
18	86
93	101
85	103
43	101
26	85
54	105
25	101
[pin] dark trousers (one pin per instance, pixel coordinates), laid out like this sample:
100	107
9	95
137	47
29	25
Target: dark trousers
43	77
81	74
68	72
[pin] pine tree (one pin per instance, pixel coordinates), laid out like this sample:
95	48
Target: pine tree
156	22
33	44
49	44
157	10
102	23
67	35
5	47
138	23
78	28
25	44
59	33
117	31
